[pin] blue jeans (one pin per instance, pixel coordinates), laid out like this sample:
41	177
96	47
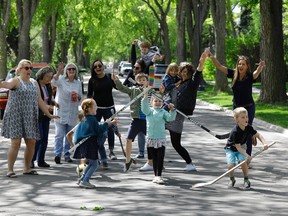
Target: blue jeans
60	139
141	143
41	145
251	115
101	147
106	113
90	169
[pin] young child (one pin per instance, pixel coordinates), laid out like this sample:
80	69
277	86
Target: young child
89	127
236	144
170	81
156	134
138	123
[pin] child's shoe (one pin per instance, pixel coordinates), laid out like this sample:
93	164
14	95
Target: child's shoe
231	183
156	178
160	180
112	156
105	165
85	184
190	168
247	184
127	165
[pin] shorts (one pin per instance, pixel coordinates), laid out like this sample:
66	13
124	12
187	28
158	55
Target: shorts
231	157
136	126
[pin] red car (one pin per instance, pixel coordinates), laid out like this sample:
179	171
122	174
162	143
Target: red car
5	92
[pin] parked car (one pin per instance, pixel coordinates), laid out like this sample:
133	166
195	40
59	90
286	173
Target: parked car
125	68
120	65
4	93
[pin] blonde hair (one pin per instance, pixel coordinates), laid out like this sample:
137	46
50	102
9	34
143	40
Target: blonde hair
238	111
236	74
86	104
20	65
153	97
80	115
171	67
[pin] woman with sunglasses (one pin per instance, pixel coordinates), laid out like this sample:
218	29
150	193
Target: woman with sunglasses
21	116
100	88
68	96
242	81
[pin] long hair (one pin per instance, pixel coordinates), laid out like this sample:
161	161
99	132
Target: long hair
236	74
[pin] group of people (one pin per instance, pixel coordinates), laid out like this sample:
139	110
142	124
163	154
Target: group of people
31	105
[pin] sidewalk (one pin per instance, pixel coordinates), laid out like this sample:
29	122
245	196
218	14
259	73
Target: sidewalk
54	191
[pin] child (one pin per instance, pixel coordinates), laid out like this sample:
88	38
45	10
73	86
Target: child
138	123
236	144
170	81
89	127
156	134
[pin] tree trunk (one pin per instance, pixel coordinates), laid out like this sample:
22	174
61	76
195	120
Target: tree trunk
181	41
219	20
25	12
4	18
271	49
49	37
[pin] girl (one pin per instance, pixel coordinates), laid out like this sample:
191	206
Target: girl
156	134
89	127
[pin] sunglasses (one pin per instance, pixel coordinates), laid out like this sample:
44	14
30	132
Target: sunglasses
69	69
136	68
98	65
27	68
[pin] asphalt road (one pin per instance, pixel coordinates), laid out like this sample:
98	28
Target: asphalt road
54	191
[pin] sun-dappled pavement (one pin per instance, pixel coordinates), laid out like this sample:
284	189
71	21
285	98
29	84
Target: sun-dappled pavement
55	192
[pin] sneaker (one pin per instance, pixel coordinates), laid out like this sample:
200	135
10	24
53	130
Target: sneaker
139	156
146	167
190	167
231	183
156	179
57	160
247	184
105	165
44	164
160	180
68	159
112	156
85	184
127	165
32	165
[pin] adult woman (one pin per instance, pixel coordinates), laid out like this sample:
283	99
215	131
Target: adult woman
68	96
100	87
184	97
242	83
43	77
21	116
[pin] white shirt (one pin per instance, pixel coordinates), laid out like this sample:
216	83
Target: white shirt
68	110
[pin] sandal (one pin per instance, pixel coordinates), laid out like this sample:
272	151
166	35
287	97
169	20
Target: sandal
32	172
11	175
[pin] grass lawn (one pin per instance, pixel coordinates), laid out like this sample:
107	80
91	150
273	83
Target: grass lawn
276	114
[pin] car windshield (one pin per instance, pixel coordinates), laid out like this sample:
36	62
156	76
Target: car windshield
127	65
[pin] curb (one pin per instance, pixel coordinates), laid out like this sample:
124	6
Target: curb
265	124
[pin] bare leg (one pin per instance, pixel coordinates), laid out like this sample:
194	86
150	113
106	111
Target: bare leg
28	154
128	150
13	153
244	169
230	167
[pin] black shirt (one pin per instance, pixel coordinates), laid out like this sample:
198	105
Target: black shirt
239	136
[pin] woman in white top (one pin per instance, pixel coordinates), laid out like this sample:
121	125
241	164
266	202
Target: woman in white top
68	96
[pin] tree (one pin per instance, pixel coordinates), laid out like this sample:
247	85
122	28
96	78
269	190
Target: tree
25	13
4	18
219	19
181	39
271	49
161	11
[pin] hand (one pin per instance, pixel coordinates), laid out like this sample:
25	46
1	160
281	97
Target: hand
114	77
170	106
265	146
53	117
61	67
135	42
249	159
261	63
161	88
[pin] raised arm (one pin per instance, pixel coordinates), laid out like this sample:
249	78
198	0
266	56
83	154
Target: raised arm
259	69
10	84
201	61
217	63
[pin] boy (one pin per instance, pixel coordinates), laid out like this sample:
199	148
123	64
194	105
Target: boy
138	123
236	144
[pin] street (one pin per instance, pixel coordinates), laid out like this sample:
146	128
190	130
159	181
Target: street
54	191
